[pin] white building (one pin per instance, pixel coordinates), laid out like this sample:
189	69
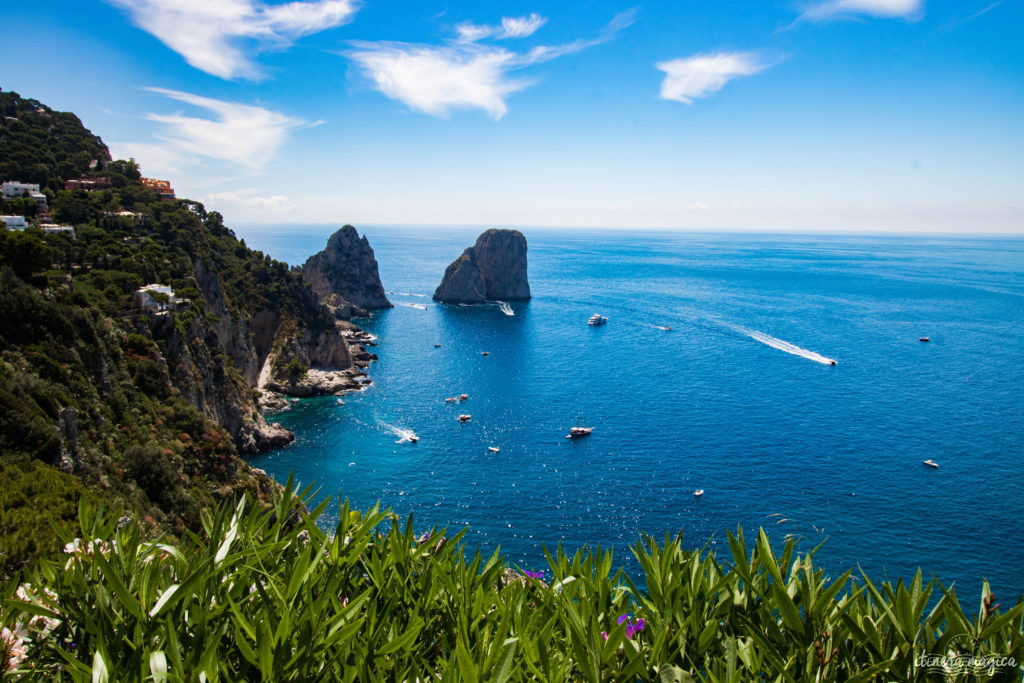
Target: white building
12	189
150	303
14	222
54	229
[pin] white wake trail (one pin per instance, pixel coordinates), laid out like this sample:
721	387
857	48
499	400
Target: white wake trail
783	345
421	307
505	308
402	433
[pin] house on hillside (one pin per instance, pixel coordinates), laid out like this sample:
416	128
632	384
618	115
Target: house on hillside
54	229
155	298
161	187
86	184
12	189
14	222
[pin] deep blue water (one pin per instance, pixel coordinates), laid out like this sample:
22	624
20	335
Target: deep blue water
776	439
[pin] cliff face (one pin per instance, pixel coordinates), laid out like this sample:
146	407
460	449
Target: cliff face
344	275
493	269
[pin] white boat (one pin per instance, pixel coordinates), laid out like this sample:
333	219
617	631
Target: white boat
699	492
577	432
931	463
451	399
413	438
924	339
340	402
485	353
597	319
465	418
463	397
493	449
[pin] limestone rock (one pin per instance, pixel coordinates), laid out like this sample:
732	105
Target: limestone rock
491	270
347	269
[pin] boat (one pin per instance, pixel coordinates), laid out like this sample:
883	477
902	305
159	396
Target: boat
931	463
831	362
493	449
667	328
340	402
451	399
465	418
597	319
924	339
437	346
577	432
413	438
463	397
698	493
485	353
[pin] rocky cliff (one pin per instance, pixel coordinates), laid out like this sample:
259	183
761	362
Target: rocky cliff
344	275
492	269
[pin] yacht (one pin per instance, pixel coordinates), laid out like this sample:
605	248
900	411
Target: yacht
699	492
465	418
924	339
931	463
597	319
493	449
577	432
463	397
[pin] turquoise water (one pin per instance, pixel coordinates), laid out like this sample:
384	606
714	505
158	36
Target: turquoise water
738	399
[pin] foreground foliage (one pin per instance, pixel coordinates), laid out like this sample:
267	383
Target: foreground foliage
264	594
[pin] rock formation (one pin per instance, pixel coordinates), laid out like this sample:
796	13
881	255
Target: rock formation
345	277
492	269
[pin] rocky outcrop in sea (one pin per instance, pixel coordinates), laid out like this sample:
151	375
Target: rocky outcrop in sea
345	276
494	269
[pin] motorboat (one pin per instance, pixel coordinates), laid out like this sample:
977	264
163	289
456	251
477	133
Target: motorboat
437	346
698	493
463	397
340	402
924	339
451	399
931	463
465	418
485	353
413	438
597	319
493	449
577	432
831	362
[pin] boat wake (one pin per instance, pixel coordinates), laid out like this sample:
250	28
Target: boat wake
402	433
657	327
505	308
782	345
421	296
421	307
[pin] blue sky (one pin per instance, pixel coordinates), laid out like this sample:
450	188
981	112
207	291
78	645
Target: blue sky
879	115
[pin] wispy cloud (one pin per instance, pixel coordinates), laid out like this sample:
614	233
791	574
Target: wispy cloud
249	198
905	9
436	79
219	36
241	134
511	27
702	75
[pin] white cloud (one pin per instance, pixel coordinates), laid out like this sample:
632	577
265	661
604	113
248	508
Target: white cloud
696	206
248	198
217	36
511	27
701	75
241	134
436	79
908	9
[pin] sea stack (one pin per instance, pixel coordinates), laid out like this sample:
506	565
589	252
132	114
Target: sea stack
345	276
494	269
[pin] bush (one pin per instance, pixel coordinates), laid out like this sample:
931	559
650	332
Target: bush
267	595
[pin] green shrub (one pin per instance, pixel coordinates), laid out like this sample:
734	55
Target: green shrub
264	594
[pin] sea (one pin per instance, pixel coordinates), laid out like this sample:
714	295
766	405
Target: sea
713	373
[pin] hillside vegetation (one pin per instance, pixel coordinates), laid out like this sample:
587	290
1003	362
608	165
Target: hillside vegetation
148	411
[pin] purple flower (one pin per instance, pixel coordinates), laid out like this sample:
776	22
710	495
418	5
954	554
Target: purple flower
624	617
604	635
539	575
426	536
